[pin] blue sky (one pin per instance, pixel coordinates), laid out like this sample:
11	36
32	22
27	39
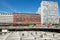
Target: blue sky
21	6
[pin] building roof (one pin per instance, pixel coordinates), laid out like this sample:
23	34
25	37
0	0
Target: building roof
26	13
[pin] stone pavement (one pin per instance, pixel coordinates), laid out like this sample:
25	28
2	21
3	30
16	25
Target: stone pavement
30	35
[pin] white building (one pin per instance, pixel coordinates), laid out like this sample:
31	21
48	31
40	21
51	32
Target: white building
49	12
6	18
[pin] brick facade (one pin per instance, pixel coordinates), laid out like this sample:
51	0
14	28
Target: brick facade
26	18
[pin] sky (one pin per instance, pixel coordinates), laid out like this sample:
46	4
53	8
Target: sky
22	6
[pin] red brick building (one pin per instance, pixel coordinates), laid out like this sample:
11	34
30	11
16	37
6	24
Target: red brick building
19	19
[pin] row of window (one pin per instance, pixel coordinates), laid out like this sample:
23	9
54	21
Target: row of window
51	22
26	17
5	14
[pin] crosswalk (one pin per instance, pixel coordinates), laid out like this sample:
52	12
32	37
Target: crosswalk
30	35
4	36
13	36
